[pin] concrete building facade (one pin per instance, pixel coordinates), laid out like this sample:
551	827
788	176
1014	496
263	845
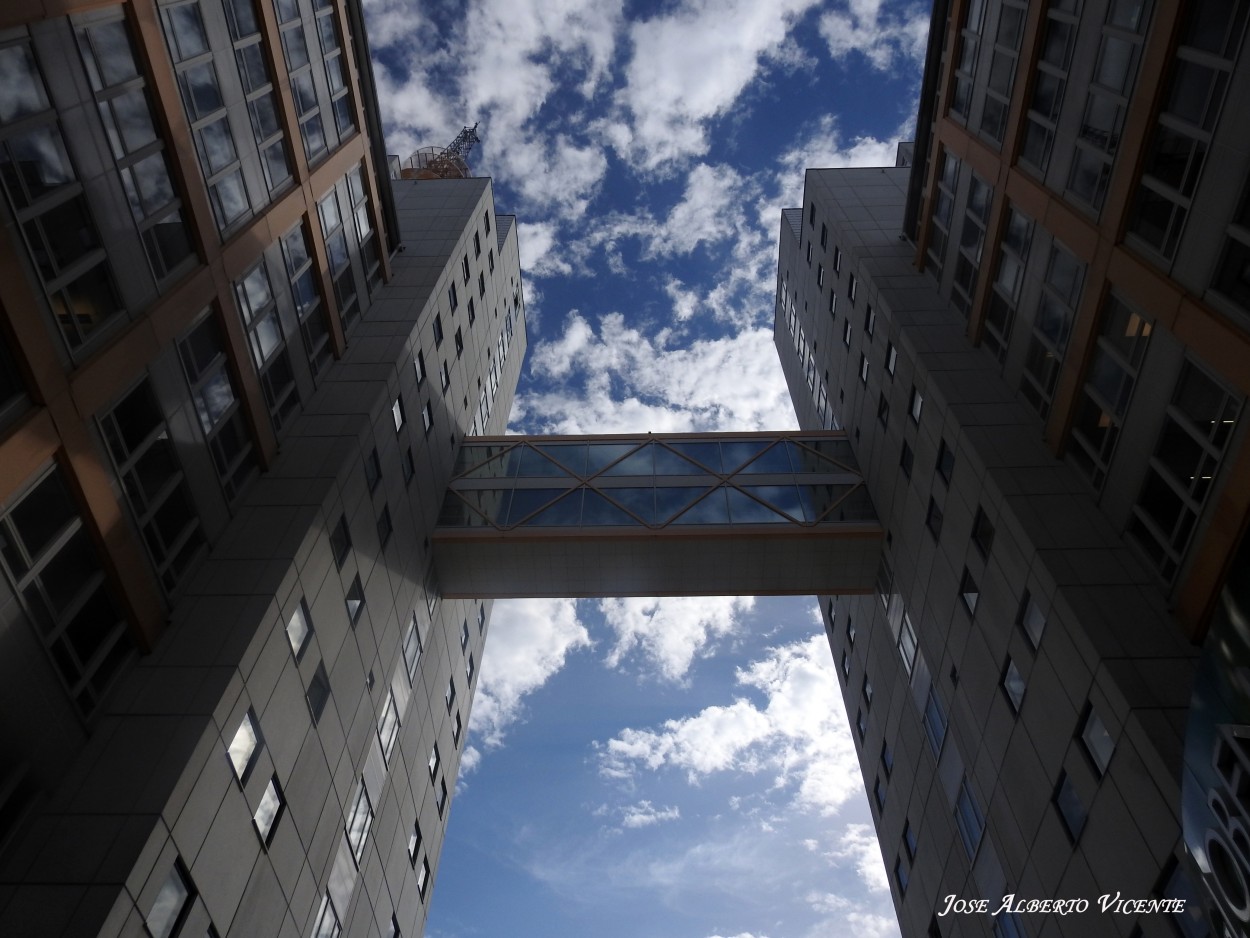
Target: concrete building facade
1034	332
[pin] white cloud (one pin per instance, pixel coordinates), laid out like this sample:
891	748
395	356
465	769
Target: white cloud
798	736
859	845
619	378
670	632
539	254
529	641
863	28
645	814
689	66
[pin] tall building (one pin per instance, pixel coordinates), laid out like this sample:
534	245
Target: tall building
237	361
1035	330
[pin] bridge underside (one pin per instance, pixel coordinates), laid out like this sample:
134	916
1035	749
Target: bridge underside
657	515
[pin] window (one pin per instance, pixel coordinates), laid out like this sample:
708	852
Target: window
472	312
883	410
917	404
820	275
982	532
440	801
837	259
887	759
879	790
427	418
934	722
459	339
891	359
153	481
337	250
327	920
453	301
833	302
464	268
1070	806
355	600
171	905
846	332
397	414
445	376
809	254
870	321
943	197
846	664
481	284
1098	742
1013	256
258	307
450	696
359	818
456	728
972	231
969	592
824	236
909	839
318	692
414	843
1013	685
419	365
245	747
907	644
486	220
406	465
373	469
438	329
481	618
900	875
340	541
269	811
811	214
969	819
384	525
299	630
933	519
906	459
866	690
1052	325
207	370
945	462
423	877
302	279
490	261
850	631
863	369
464	636
1031	619
388	727
412	648
861	725
851	286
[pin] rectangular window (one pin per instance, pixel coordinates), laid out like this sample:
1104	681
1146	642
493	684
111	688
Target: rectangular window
318	692
933	519
269	811
453	298
397	414
861	725
907	644
1031	619
1070	806
427	418
412	648
258	307
355	601
1097	740
340	541
388	727
870	321
172	903
851	287
906	459
969	819
863	369
1013	685
945	462
934	722
464	269
982	532
917	404
824	236
846	332
891	359
244	748
359	819
481	285
1052	325
837	260
969	592
459	339
419	365
304	282
887	759
299	630
1013	257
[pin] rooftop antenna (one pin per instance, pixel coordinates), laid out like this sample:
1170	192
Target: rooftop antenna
450	162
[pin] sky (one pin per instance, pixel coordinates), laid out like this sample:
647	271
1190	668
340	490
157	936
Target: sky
636	767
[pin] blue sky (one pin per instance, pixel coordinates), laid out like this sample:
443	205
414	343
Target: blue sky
637	767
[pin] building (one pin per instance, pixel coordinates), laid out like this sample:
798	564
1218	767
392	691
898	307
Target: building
237	364
1035	331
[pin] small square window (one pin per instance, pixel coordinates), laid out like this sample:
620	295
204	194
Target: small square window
982	532
851	287
861	725
887	759
846	332
419	365
870	321
244	748
397	414
450	696
917	404
906	459
863	369
457	728
423	877
269	811
945	462
969	592
318	692
355	600
933	519
883	410
1097	740
1013	685
459	340
427	418
900	875
407	466
373	469
909	840
891	359
299	630
878	793
384	525
434	761
1070	806
340	541
1031	619
440	801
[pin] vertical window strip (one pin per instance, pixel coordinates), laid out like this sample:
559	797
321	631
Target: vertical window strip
258	91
